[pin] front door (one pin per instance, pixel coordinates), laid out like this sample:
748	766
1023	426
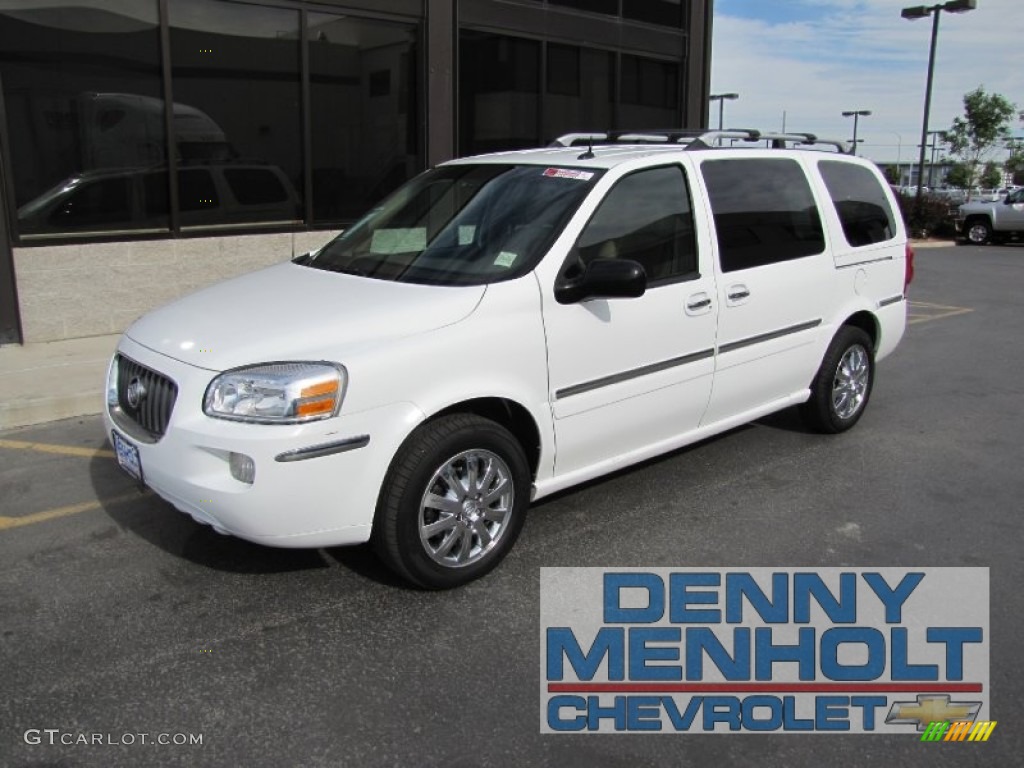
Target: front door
627	374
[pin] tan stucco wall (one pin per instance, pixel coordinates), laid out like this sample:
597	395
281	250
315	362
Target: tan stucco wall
94	289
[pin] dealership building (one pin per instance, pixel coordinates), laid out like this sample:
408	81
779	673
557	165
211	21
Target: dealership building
150	147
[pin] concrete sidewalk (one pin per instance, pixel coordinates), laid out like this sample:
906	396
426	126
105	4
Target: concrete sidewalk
53	380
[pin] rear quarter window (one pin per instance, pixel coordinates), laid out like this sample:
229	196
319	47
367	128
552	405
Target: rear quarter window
860	201
764	211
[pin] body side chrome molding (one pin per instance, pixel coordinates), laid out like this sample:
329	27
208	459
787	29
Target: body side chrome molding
748	342
644	370
324	449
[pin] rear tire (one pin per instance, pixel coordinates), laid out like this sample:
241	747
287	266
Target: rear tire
841	388
453	502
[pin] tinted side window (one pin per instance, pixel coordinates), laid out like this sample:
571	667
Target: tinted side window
646	217
255	186
764	211
196	190
860	202
95	203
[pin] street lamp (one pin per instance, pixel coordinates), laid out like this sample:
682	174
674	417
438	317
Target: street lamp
721	99
921	12
931	168
856	114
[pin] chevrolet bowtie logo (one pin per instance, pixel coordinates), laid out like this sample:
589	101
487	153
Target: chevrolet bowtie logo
930	708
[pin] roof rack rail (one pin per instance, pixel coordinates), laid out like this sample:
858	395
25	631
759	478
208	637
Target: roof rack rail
696	139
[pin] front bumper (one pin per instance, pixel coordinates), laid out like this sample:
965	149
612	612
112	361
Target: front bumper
315	485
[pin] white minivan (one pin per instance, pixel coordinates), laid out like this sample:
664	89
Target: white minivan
506	326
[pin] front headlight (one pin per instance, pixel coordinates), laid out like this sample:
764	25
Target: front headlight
277	393
112	383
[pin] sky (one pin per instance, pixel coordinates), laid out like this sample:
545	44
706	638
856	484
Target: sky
814	59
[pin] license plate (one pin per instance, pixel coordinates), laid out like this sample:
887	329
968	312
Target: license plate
127	456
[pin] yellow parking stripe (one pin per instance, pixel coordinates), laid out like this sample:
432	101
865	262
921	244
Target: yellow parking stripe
62	450
926	311
73	509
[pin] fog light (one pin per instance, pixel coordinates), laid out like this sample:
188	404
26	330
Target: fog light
243	468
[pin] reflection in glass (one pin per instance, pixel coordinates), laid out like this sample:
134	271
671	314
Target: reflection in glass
665	12
580	93
764	211
85	117
650	93
237	68
596	6
365	126
499	92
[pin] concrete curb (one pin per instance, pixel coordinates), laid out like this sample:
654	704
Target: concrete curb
933	243
53	380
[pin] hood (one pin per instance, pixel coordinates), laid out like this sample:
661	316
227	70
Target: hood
292	312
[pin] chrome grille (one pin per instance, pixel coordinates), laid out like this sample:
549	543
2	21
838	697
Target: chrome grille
152	412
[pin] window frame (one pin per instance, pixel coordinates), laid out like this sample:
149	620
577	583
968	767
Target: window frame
713	215
573	261
883	199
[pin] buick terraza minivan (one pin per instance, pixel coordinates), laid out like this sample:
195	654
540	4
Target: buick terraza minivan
506	326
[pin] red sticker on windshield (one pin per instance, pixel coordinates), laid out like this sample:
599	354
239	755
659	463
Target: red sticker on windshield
568	173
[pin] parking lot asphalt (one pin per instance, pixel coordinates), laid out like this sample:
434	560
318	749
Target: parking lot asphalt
122	616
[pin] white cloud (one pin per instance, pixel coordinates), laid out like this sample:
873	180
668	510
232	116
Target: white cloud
859	54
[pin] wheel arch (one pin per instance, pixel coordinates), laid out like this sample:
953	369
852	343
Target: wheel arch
510	414
868	323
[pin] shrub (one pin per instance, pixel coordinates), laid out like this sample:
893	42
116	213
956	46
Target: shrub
934	219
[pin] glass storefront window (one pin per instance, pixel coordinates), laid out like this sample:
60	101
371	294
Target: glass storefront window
580	90
365	122
499	92
650	93
667	13
85	114
610	7
235	72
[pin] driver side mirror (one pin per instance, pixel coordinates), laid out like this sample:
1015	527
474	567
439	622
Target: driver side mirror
604	279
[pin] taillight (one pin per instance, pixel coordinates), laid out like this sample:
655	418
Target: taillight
908	274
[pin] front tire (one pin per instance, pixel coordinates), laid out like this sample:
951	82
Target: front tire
841	388
453	503
978	231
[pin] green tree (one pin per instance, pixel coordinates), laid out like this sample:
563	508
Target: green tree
1015	162
992	176
984	127
958	176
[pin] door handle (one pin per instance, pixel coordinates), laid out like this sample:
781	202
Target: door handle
739	293
700	304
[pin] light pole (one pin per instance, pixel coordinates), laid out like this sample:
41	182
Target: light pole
931	168
922	12
721	98
856	115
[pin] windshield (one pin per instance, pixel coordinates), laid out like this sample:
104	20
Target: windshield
461	225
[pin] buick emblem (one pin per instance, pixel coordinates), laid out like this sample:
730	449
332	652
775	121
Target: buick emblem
135	393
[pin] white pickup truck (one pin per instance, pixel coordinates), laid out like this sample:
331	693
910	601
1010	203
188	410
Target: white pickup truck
984	222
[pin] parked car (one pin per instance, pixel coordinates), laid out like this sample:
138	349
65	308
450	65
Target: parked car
983	222
507	326
137	198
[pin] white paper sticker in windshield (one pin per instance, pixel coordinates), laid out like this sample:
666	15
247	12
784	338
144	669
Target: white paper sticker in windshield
568	173
505	259
466	234
406	240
